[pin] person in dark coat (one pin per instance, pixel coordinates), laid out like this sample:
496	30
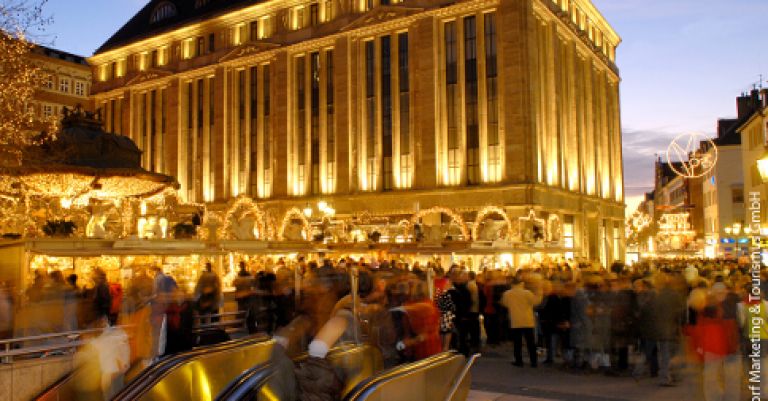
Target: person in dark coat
102	300
208	292
622	321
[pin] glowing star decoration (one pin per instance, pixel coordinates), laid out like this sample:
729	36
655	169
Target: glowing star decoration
693	161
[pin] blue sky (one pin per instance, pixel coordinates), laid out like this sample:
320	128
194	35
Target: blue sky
682	62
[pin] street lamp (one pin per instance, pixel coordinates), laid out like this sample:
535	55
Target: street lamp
308	211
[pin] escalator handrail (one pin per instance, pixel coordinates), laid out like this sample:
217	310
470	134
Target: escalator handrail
366	386
152	375
245	384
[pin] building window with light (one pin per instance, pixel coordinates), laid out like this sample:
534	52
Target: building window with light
298	18
48	83
386	113
452	103
371	134
470	83
47	110
330	130
569	235
267	139
301	127
406	160
470	100
79	88
64	85
492	99
241	139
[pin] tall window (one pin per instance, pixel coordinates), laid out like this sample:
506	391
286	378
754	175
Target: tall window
465	128
452	103
301	126
386	113
406	168
152	131
315	123
370	107
492	98
330	122
470	96
64	85
254	130
242	137
267	135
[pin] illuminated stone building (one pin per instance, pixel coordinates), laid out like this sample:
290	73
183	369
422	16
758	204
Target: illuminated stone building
382	108
67	84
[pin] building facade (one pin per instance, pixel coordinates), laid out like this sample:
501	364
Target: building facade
67	84
723	195
754	138
382	108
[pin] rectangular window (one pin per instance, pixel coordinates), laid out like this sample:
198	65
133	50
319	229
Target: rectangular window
492	99
737	195
64	85
315	124
242	137
452	103
200	50
266	27
254	131
301	124
240	34
79	88
47	110
370	100
330	131
470	96
211	160
254	31
267	134
314	14
152	131
406	172
211	43
48	81
191	148
386	112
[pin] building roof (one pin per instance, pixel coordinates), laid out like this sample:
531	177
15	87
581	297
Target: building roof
59	54
186	11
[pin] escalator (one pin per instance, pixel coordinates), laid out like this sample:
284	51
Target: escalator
66	388
268	381
199	376
443	377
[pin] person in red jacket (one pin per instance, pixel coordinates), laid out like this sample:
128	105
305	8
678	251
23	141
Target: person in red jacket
116	295
716	342
424	319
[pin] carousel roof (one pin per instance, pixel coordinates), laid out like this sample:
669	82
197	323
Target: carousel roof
83	161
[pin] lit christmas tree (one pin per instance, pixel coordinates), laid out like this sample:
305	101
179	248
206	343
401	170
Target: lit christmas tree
20	124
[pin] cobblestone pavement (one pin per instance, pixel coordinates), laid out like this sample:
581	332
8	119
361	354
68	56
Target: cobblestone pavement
495	379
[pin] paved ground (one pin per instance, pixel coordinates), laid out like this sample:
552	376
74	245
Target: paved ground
495	379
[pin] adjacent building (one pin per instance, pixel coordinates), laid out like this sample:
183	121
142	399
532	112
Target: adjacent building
67	84
753	129
385	109
723	194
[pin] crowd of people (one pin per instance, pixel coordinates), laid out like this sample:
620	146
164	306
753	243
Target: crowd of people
653	319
